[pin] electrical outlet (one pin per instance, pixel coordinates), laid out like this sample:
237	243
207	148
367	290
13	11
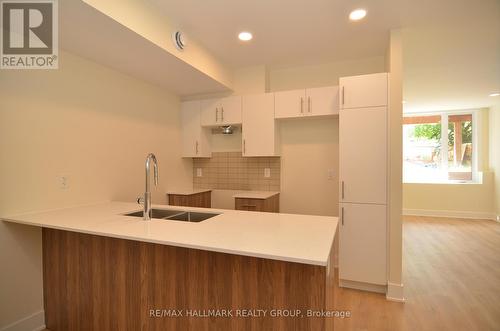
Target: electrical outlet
331	174
267	172
199	172
63	182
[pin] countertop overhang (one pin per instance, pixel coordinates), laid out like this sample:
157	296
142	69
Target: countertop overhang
255	194
287	237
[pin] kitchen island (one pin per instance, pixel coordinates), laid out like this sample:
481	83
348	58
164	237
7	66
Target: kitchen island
234	271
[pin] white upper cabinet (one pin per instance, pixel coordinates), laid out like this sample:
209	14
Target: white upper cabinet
259	135
223	111
363	91
230	110
210	112
195	138
322	101
363	155
318	101
289	104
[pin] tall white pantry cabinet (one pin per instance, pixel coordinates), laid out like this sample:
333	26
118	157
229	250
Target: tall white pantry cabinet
363	145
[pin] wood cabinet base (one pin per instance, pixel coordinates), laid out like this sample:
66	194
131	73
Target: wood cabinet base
202	200
100	283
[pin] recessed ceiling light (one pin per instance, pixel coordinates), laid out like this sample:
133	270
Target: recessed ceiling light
245	36
494	94
357	14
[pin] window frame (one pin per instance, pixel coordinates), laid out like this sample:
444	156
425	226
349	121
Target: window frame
476	177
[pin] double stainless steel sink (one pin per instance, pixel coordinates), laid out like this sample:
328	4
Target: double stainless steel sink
175	215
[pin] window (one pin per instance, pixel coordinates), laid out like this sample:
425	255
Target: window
439	148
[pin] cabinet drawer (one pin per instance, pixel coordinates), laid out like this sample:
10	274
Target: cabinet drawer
249	204
270	204
202	200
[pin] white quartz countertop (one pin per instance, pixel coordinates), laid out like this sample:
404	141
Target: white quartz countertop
188	191
255	194
287	237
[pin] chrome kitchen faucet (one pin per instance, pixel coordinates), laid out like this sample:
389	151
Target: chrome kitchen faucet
147	195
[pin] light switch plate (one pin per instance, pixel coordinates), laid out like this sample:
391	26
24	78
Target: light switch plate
199	172
63	182
267	172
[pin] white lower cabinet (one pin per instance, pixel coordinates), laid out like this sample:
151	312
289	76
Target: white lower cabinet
362	243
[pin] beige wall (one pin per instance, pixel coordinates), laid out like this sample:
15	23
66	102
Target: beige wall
474	200
91	124
309	148
322	74
467	200
251	80
494	163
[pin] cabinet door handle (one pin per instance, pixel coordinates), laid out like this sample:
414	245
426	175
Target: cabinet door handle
309	104
222	114
342	95
301	105
244	146
216	114
252	206
196	147
342	215
342	190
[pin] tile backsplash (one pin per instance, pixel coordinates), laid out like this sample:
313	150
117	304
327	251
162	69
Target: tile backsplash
232	171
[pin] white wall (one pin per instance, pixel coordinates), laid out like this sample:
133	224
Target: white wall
91	124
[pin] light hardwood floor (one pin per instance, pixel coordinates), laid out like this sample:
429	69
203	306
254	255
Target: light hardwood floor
451	276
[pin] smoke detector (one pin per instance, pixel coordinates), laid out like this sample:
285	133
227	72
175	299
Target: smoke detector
179	40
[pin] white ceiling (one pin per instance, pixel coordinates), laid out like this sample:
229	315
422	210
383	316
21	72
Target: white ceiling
286	32
451	47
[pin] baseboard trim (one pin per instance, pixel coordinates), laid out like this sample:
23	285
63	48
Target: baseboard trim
362	286
450	213
395	292
33	322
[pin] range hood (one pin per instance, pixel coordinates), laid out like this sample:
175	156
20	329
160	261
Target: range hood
226	129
